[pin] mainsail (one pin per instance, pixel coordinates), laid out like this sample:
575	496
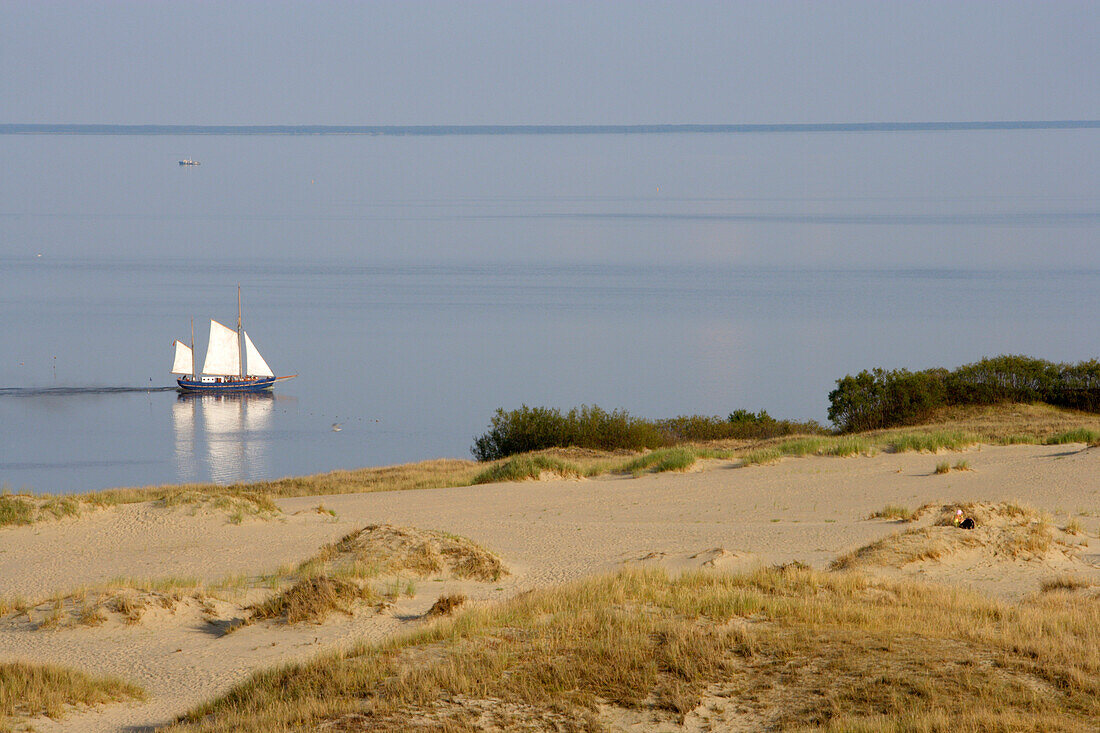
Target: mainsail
223	355
254	364
184	363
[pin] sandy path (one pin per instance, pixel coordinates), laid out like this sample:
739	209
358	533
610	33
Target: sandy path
807	509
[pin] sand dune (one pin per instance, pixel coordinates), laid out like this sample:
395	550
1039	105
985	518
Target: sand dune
809	510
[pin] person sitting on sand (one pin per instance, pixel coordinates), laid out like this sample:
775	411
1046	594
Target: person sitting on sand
963	522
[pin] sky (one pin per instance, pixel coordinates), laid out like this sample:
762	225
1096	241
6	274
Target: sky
587	62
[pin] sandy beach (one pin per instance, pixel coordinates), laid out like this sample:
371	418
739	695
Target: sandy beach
810	510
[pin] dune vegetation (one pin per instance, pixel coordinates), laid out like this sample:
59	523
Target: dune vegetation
371	565
882	398
953	428
32	690
1004	531
783	648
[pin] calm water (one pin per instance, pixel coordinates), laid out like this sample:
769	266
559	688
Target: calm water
418	283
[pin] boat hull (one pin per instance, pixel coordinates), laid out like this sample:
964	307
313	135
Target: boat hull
259	384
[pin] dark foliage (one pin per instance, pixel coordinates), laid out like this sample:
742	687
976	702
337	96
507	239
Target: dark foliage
881	398
537	428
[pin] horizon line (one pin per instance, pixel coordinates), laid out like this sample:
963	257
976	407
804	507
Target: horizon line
622	129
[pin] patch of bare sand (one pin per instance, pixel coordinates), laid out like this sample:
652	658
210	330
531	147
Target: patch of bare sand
805	509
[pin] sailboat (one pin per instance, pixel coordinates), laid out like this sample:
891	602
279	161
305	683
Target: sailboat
233	363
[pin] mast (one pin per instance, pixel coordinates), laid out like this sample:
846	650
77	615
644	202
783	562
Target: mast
240	347
192	348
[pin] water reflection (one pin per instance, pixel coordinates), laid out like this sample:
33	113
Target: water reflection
183	426
230	434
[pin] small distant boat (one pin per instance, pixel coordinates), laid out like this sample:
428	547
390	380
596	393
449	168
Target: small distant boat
232	364
188	161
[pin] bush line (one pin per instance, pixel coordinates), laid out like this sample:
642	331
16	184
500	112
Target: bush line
883	398
529	429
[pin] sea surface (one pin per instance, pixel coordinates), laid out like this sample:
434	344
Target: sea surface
417	282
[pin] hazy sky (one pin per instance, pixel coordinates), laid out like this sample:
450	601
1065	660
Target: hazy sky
552	62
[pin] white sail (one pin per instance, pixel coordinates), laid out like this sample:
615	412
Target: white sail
184	363
223	354
254	364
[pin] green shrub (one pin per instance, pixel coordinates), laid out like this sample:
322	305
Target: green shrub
536	428
883	398
880	398
530	429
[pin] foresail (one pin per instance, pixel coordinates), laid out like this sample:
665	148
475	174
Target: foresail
223	354
254	364
184	363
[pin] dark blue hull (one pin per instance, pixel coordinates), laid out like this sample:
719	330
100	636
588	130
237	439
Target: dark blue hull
259	384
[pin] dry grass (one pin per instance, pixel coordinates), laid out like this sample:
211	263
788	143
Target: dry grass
333	580
22	509
446	605
125	598
1064	582
336	579
31	690
311	600
1004	530
13	604
893	511
777	649
931	441
131	606
1013	423
383	549
241	501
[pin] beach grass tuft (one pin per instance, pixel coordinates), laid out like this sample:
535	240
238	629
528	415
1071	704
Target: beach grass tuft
526	467
894	511
16	510
312	600
665	459
680	458
761	456
1077	435
447	605
29	690
1064	581
931	442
